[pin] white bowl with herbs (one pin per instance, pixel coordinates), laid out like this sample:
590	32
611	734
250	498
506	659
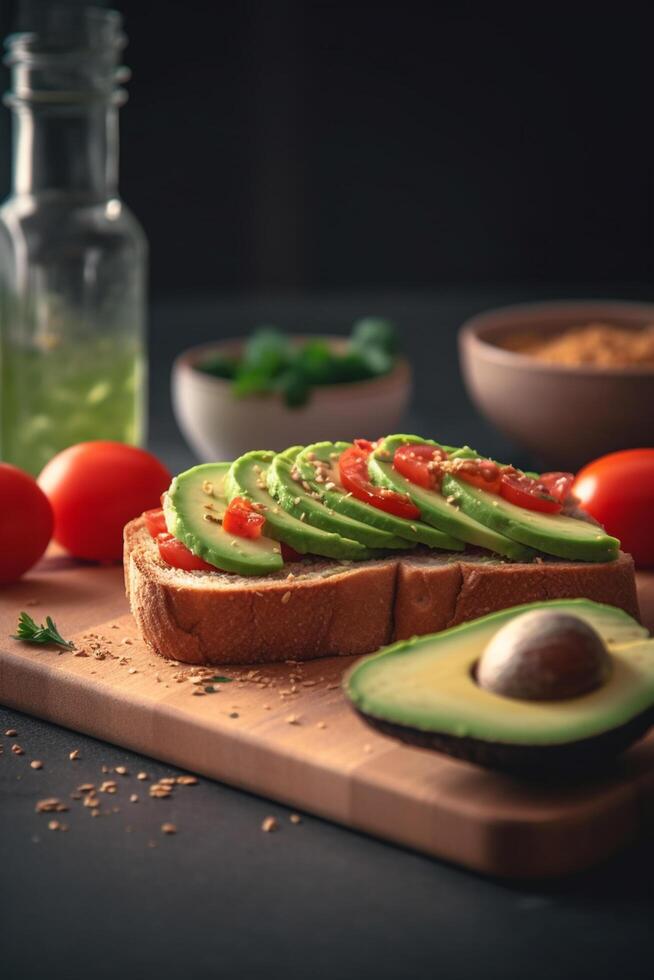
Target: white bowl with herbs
273	390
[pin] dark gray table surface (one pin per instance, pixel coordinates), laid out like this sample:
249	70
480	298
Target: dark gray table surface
222	898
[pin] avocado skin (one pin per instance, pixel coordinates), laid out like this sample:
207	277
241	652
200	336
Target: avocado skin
588	754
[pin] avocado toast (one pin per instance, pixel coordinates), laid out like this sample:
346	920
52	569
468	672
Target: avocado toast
330	550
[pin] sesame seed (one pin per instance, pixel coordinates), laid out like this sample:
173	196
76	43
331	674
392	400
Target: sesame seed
286	597
292	720
269	824
73	755
142	775
134	798
36	764
295	818
16	749
168	828
11	733
187	780
121	770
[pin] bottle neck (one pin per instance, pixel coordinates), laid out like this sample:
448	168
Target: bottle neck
66	149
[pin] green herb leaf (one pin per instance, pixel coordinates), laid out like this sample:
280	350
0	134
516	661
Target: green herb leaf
30	632
222	680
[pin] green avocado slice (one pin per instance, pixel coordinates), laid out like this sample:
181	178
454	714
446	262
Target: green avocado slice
247	477
321	458
285	485
435	509
194	507
426	686
554	534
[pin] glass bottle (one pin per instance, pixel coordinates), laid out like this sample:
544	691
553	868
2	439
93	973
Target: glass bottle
73	258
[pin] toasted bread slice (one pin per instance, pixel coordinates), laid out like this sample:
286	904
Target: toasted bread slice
321	608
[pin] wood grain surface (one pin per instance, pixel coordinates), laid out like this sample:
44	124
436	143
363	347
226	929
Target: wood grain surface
286	732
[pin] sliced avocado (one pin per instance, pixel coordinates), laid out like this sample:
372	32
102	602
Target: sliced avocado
434	508
322	458
423	691
247	477
194	507
555	534
294	498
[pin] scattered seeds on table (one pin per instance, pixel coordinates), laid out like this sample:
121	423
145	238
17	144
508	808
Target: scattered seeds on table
142	775
168	828
269	824
36	764
134	798
11	733
121	770
187	780
295	818
16	749
73	755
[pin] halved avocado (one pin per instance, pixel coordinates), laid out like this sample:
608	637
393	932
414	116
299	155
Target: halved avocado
424	692
435	509
194	507
247	477
321	457
309	505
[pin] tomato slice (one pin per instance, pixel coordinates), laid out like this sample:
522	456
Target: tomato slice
178	555
558	485
526	492
243	519
290	554
482	473
353	469
420	464
155	521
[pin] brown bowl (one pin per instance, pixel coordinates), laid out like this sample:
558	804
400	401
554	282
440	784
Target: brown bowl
564	415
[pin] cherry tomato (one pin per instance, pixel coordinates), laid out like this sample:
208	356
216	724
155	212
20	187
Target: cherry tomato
618	490
178	555
353	469
26	522
243	519
95	488
482	473
524	491
420	464
155	521
558	485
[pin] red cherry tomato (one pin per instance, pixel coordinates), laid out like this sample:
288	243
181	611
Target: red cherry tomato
523	491
178	555
558	485
618	490
243	519
95	488
353	469
481	473
26	522
155	521
420	464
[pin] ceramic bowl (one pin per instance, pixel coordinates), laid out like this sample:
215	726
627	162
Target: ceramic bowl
565	416
219	426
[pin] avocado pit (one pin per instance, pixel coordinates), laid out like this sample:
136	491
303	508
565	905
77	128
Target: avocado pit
544	655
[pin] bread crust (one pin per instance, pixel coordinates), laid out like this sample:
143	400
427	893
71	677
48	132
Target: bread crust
341	609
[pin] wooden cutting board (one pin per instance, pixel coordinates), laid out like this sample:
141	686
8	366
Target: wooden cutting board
285	732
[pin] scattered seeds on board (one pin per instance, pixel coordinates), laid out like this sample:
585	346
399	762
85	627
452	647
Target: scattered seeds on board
295	818
269	825
187	780
36	764
134	798
168	828
142	775
16	749
73	755
293	720
121	770
11	733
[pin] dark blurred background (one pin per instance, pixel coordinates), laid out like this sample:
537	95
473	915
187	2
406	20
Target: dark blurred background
299	146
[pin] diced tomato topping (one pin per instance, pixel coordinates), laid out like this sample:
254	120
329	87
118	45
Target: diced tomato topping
365	444
558	485
290	554
155	521
178	555
524	491
353	469
420	464
482	473
243	519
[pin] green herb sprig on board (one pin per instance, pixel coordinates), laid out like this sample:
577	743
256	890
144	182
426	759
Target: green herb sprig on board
30	632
